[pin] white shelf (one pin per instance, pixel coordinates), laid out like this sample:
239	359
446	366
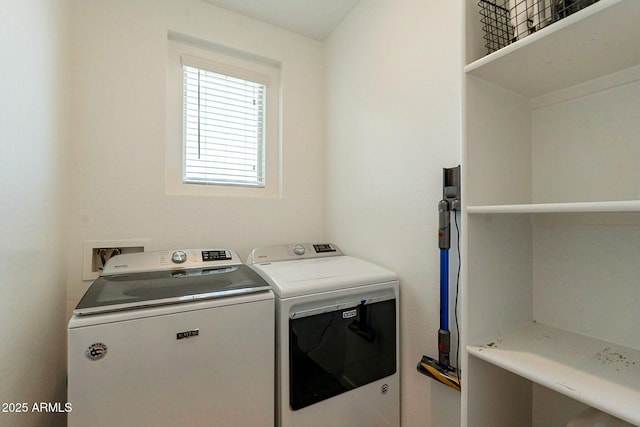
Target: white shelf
597	41
579	207
600	374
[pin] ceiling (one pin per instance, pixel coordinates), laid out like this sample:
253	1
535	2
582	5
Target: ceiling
311	18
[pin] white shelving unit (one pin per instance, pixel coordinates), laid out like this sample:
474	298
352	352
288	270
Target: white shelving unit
551	170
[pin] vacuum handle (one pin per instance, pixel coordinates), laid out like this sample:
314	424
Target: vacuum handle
444	224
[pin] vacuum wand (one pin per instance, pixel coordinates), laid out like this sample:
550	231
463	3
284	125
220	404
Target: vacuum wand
444	243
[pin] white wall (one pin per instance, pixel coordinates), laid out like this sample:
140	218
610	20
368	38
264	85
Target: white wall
393	122
33	131
118	144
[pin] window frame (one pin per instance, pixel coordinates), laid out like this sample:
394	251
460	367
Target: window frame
229	62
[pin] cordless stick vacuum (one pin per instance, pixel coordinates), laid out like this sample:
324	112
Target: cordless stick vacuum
441	369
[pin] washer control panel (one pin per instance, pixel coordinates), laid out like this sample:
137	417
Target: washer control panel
292	251
168	260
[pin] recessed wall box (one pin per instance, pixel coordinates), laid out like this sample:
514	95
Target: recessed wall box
96	253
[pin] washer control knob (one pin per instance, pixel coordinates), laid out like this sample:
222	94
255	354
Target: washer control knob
298	250
178	257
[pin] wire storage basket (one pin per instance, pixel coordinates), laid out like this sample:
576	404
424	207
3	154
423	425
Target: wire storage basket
505	21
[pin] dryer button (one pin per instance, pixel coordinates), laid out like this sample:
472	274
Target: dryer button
298	250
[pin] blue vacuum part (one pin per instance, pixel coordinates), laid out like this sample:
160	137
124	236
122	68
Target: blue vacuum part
441	369
444	335
444	289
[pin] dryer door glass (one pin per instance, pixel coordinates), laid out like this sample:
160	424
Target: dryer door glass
334	351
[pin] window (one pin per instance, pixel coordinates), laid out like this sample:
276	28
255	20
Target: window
223	128
222	121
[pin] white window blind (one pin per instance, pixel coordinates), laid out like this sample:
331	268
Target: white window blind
224	128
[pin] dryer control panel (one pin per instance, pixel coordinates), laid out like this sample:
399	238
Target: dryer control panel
293	251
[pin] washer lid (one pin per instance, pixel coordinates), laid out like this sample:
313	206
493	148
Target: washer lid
135	290
308	276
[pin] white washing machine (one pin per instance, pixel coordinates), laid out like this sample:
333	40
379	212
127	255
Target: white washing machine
337	337
176	338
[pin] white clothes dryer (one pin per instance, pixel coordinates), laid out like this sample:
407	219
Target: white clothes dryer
337	337
173	338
